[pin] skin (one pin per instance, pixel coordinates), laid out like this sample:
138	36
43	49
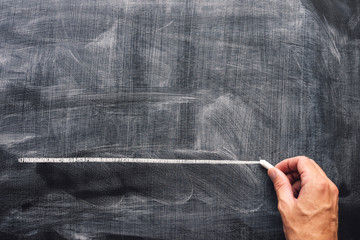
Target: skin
307	199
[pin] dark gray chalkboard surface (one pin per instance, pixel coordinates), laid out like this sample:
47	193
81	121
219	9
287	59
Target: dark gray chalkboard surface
182	79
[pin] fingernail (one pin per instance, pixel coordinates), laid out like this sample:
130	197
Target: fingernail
272	174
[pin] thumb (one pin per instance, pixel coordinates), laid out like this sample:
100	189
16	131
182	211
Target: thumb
281	184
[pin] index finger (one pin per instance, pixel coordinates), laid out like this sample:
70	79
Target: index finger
299	164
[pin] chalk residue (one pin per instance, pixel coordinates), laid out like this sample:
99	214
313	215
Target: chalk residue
175	79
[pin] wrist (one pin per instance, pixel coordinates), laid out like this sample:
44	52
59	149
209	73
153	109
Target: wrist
325	233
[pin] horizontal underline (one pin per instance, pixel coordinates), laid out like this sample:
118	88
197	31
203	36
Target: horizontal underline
133	160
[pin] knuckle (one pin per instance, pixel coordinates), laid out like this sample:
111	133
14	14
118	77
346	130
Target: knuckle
322	184
278	184
283	206
334	190
304	158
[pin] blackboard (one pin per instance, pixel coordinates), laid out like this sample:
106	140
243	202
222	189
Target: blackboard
184	79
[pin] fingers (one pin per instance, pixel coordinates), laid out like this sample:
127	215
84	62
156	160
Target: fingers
282	185
290	175
296	188
295	164
306	168
293	177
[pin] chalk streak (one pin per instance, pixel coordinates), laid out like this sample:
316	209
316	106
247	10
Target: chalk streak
165	26
134	160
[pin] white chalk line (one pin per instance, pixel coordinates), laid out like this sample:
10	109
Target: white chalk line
133	160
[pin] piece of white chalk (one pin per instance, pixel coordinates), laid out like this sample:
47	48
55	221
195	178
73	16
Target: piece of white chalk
266	164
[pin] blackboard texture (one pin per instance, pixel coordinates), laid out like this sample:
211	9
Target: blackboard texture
182	79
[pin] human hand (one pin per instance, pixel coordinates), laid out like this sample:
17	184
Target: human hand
307	199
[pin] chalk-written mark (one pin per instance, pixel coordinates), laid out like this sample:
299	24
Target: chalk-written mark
134	160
